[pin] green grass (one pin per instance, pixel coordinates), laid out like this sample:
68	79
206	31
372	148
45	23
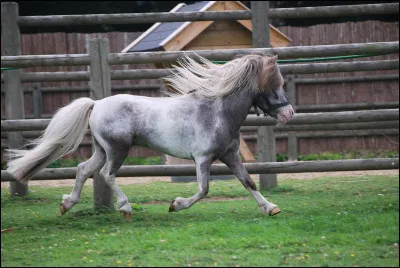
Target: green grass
338	221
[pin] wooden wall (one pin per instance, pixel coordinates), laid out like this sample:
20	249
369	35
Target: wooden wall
222	35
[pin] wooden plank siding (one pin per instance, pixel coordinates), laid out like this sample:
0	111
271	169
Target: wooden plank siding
217	37
324	34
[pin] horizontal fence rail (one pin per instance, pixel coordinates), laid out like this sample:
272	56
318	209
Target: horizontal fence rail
223	54
220	169
281	52
299	109
328	118
332	133
325	80
318	127
347	106
308	68
338	126
277	13
355	66
367	128
278	135
347	79
252	120
87	88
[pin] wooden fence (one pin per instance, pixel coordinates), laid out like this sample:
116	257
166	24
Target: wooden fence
37	92
279	13
322	131
219	169
100	75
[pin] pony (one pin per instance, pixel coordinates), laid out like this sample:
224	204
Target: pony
199	121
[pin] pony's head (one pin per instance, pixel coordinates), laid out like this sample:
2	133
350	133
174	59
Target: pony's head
270	96
258	75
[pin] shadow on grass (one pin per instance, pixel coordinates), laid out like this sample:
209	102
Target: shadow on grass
281	189
27	200
150	216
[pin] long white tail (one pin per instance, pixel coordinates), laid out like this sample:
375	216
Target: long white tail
62	136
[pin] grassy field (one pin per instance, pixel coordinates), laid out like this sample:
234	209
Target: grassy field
336	221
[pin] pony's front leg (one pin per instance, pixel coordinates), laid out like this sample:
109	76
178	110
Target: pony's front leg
203	165
232	160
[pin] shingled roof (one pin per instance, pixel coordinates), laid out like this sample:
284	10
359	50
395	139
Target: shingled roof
157	36
153	38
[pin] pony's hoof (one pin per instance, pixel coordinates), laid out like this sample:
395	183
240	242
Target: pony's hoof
171	207
126	215
63	210
274	211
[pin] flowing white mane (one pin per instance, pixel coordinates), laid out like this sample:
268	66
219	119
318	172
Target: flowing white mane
211	80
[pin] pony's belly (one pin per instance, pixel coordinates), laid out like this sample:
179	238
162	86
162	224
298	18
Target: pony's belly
166	146
177	154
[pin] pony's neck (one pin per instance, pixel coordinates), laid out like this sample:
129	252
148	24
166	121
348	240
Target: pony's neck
237	107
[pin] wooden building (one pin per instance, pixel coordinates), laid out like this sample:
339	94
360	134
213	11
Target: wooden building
202	35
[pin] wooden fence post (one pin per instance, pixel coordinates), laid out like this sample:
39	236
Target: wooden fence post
100	87
266	148
292	139
37	101
14	95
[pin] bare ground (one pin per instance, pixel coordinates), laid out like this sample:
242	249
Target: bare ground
135	180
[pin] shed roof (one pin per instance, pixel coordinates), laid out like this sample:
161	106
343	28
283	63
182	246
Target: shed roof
160	33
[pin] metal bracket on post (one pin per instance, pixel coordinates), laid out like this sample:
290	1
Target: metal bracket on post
266	147
14	95
100	87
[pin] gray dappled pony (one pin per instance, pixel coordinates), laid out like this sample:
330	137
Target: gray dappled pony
201	121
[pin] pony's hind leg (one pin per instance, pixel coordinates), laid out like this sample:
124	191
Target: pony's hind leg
203	165
85	169
115	158
232	160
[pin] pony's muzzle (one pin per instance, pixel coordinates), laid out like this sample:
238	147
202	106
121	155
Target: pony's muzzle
285	114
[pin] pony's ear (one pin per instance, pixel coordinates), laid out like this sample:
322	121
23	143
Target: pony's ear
274	58
269	75
238	56
269	60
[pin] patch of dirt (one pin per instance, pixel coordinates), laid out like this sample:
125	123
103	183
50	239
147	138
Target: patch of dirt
136	180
